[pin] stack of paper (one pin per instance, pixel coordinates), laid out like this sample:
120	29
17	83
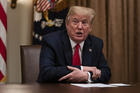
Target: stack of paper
99	85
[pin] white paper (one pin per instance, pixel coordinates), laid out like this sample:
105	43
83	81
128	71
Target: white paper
119	84
101	85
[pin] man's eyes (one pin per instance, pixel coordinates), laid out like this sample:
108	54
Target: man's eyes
84	22
77	21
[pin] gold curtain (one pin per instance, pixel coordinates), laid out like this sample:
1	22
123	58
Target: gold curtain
117	22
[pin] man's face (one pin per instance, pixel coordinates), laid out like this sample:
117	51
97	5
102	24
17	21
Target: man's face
78	27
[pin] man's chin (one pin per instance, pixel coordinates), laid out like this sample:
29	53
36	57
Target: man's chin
79	39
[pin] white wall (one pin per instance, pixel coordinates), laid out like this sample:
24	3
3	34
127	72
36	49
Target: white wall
19	21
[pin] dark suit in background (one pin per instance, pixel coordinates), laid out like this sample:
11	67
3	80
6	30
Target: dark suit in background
56	55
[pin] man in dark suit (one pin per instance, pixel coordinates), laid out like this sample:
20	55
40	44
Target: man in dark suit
74	55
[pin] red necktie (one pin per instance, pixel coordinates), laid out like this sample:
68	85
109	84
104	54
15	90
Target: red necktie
76	57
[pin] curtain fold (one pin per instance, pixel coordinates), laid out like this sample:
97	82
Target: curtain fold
137	38
117	22
118	42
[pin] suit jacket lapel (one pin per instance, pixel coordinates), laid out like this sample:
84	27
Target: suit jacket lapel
87	52
67	49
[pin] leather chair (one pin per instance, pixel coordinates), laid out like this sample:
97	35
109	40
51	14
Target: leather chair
30	62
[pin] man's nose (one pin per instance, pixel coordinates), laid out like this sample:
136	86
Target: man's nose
80	25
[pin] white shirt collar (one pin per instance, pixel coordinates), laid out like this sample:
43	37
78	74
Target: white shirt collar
73	44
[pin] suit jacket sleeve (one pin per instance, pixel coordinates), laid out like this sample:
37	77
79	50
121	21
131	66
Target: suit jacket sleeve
103	66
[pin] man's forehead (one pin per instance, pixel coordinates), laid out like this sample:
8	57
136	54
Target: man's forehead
84	17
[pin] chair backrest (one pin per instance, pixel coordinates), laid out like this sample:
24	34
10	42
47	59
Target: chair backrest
30	63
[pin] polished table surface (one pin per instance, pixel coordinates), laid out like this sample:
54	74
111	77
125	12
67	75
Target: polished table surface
64	88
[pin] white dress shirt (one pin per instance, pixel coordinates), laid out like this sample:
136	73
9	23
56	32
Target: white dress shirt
73	44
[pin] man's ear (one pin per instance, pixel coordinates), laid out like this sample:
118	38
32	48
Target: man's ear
66	23
90	29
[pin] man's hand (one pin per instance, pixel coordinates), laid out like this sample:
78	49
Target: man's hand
75	76
96	72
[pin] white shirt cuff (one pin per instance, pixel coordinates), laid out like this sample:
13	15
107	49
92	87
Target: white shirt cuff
89	79
81	68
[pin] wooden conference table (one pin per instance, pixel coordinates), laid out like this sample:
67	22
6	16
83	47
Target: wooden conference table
64	88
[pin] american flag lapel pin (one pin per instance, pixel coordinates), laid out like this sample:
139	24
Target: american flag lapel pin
90	50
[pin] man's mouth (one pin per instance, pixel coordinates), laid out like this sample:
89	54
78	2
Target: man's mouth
79	33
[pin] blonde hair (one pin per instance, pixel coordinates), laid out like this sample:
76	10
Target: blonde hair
82	11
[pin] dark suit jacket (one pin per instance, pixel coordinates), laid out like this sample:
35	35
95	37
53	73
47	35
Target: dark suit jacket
56	54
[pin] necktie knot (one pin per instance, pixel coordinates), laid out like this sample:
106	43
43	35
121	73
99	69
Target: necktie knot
77	46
